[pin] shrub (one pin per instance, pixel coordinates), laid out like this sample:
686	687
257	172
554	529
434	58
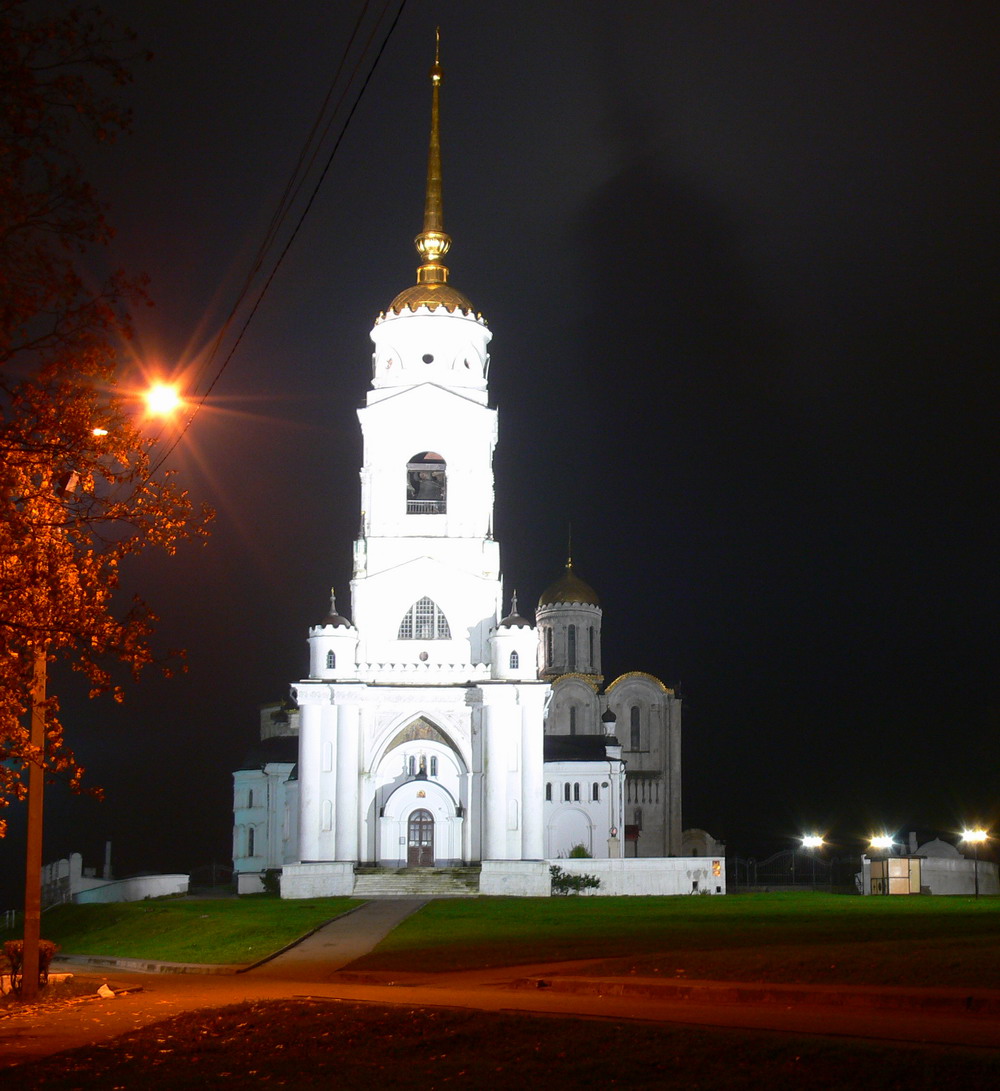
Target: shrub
564	883
271	878
13	949
579	852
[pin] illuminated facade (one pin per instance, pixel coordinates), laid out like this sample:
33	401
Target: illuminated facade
433	730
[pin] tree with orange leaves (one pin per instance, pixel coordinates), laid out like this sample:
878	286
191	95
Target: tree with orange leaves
79	487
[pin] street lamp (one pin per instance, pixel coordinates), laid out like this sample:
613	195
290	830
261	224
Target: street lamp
975	838
161	400
814	843
883	843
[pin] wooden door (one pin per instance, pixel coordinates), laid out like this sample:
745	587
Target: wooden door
420	840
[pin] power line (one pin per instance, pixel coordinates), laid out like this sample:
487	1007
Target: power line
293	188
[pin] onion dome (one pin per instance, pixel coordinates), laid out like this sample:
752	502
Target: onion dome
609	717
338	621
432	289
514	620
569	588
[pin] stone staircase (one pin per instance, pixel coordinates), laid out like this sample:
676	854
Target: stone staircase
417	882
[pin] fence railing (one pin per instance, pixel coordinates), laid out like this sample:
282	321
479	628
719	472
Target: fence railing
793	870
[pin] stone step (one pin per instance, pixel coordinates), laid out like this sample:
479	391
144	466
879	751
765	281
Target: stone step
426	882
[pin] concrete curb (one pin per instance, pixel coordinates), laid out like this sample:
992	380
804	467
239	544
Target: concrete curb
954	1001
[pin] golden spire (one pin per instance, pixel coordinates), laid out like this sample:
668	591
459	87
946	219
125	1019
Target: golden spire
432	243
432	289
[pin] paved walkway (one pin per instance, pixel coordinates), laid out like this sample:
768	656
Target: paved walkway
314	967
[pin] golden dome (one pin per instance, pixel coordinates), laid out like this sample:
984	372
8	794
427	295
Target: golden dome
431	296
569	588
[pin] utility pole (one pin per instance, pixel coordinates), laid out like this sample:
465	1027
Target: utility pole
33	863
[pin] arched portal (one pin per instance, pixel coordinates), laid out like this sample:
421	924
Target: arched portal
420	839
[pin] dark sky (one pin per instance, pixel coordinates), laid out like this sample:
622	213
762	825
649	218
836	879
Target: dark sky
739	261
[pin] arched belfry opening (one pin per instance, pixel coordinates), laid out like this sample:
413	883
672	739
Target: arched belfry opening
426	484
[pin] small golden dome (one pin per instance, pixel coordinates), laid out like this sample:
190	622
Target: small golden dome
431	296
569	588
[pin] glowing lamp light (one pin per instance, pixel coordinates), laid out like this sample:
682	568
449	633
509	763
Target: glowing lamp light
812	841
162	399
975	837
881	841
99	432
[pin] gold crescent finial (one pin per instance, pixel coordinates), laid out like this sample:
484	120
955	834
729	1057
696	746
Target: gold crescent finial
432	243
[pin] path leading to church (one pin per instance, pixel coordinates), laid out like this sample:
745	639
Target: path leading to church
313	968
318	957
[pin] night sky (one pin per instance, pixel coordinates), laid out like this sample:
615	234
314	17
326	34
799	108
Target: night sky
740	264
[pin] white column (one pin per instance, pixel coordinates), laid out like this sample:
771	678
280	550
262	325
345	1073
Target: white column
310	795
494	776
346	822
532	701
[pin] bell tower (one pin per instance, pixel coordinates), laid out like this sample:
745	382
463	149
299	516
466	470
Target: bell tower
426	590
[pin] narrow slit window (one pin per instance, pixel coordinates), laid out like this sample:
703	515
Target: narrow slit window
571	648
331	660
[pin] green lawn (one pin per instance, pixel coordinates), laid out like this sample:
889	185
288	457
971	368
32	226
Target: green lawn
223	931
803	937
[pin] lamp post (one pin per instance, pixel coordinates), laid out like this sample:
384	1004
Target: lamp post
883	842
975	838
814	843
161	400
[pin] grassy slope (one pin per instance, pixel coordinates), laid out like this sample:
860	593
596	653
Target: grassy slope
760	937
227	930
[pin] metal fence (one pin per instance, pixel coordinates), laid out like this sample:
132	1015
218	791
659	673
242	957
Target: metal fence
794	869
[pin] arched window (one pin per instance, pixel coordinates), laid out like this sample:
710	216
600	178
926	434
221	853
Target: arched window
411	765
596	794
515	661
635	732
434	766
548	792
566	795
331	660
250	840
572	719
426	484
250	801
548	647
576	793
571	648
424	621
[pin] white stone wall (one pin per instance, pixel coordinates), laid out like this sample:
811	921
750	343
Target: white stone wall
326	880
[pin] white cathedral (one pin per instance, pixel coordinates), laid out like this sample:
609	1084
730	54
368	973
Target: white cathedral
433	730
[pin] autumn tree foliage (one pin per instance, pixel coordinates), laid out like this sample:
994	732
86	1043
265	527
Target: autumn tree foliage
80	489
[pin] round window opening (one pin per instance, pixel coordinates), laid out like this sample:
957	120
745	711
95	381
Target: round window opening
423	657
427	358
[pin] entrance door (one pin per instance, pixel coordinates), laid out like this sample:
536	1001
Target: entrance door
420	840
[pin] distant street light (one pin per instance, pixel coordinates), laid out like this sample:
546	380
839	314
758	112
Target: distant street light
975	838
883	843
814	843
